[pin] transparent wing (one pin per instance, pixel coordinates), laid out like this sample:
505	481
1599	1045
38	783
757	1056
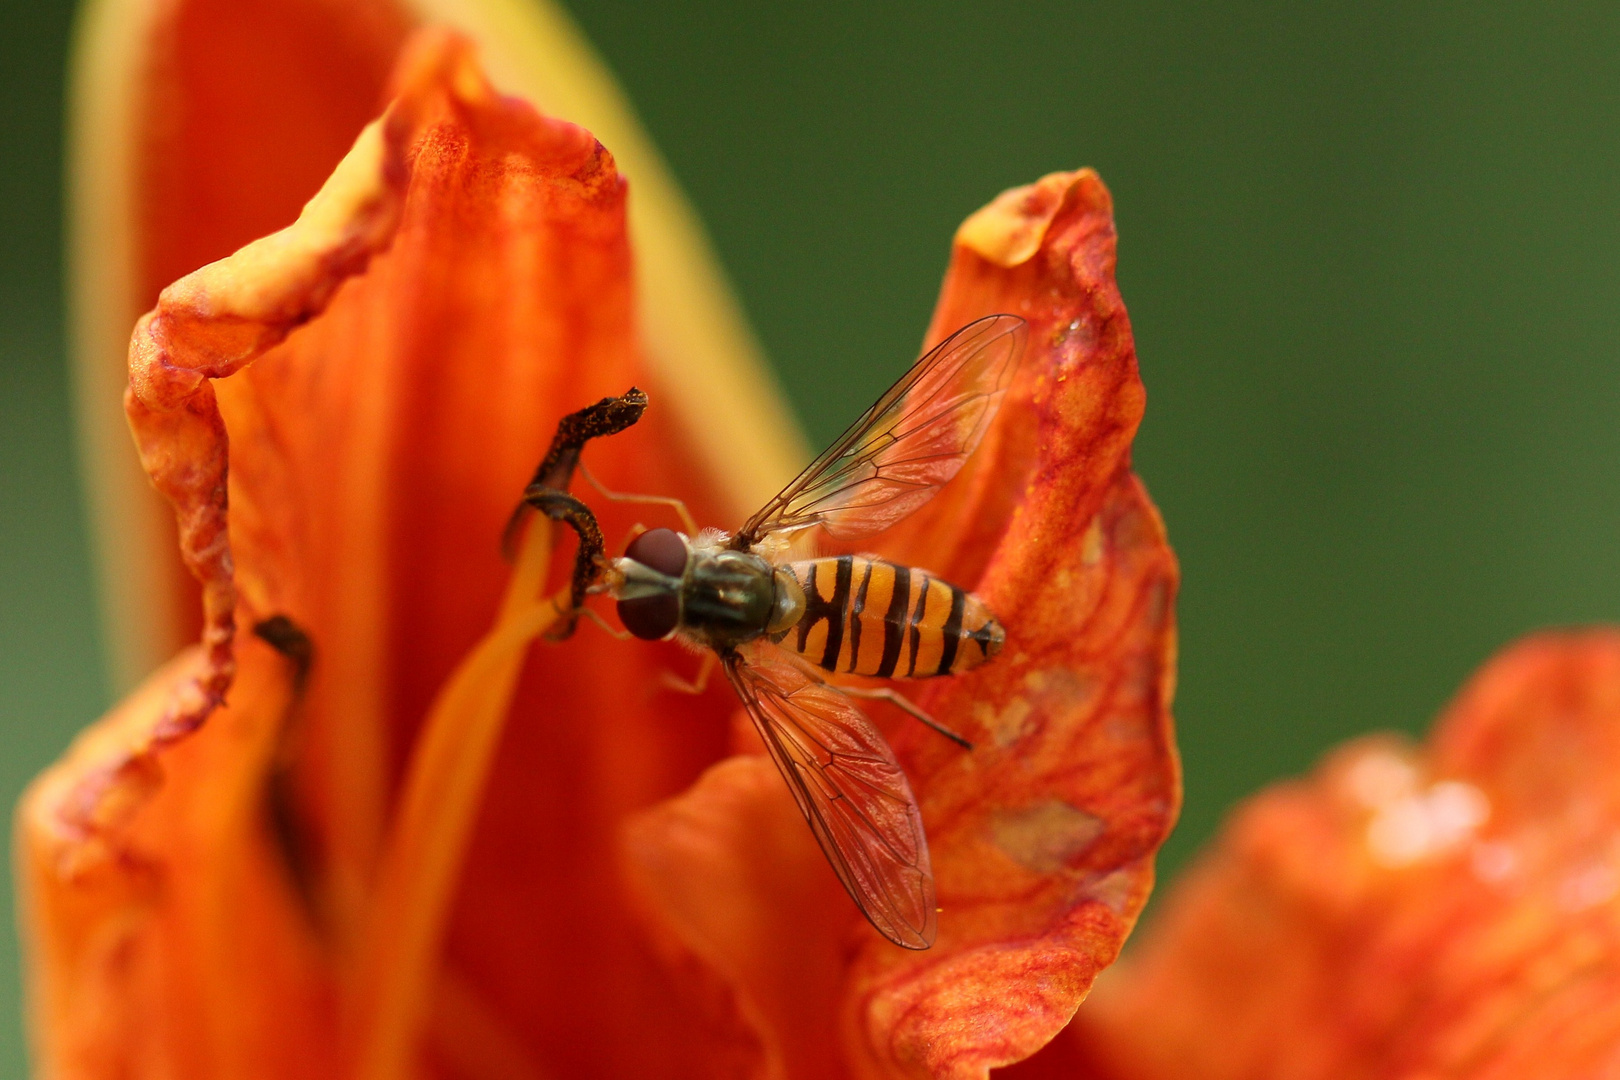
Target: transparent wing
909	443
851	790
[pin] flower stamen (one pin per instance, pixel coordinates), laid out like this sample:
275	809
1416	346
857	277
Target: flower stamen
444	783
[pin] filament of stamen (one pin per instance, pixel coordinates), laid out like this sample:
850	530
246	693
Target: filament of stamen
444	783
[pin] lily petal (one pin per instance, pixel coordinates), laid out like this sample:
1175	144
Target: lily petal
199	125
1043	837
1443	910
463	281
130	920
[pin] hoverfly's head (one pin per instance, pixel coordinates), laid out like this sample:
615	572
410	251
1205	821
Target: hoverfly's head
649	589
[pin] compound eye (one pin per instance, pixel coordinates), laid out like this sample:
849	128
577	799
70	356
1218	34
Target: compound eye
650	618
662	550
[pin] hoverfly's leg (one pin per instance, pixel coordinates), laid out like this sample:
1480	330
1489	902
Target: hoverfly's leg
607	417
588	560
899	701
607	627
699	681
657	500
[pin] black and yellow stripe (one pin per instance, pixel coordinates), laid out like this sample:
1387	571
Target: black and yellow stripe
869	617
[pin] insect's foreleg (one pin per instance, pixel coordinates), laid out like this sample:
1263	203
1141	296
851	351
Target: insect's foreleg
656	500
699	681
635	530
606	626
899	701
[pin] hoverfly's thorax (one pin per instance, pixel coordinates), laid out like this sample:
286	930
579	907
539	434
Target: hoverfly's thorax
729	597
668	584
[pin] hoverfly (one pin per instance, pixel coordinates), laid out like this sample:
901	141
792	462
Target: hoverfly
774	623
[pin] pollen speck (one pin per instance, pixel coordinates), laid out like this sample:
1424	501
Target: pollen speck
1045	837
1091	545
1007	725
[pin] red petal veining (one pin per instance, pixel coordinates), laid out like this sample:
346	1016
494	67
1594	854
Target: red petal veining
1438	910
1043	836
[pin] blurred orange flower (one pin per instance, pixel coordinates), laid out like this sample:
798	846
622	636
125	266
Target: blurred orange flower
320	849
1451	909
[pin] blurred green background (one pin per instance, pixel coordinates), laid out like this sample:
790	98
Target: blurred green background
1370	253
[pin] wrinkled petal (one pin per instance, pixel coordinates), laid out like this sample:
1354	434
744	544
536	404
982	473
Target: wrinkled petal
462	282
1043	836
133	944
730	882
199	125
1443	910
195	127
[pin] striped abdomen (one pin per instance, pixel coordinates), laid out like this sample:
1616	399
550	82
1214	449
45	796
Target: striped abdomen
869	617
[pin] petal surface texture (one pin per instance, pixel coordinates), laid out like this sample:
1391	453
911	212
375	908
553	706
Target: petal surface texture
381	378
198	125
343	413
1444	910
1043	836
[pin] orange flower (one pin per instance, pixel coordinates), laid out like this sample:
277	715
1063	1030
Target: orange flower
370	833
1444	910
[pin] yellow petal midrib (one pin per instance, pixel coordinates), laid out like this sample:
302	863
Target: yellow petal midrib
699	345
707	364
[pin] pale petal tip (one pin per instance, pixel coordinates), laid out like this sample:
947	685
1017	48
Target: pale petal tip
1009	230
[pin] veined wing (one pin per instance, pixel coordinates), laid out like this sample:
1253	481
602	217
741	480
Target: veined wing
852	792
908	444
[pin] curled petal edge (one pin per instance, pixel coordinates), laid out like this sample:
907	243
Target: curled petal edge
1443	909
957	1010
209	325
